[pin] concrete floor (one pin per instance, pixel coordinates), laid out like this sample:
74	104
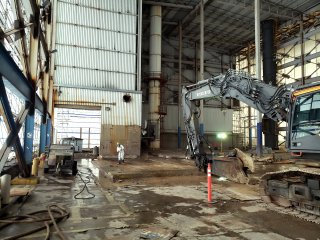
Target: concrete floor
168	206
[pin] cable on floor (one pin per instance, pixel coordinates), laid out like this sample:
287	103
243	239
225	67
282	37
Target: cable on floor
85	177
51	216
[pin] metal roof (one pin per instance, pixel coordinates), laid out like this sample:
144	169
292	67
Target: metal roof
229	24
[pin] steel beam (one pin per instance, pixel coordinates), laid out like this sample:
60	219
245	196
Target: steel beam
17	13
297	62
297	40
166	4
189	17
13	128
267	7
11	72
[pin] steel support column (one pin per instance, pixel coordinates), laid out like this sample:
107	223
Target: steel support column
139	46
258	71
28	137
303	76
201	72
43	138
49	128
179	85
249	108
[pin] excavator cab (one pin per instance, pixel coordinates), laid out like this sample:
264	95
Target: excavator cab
303	136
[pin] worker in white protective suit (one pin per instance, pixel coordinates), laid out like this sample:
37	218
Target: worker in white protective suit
120	151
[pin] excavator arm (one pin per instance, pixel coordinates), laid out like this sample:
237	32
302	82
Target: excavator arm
269	100
299	106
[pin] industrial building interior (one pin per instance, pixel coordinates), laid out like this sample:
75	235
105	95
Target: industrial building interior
160	119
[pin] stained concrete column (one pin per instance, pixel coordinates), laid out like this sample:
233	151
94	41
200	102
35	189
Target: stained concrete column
155	72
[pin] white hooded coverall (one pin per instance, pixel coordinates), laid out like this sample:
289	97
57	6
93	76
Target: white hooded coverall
120	151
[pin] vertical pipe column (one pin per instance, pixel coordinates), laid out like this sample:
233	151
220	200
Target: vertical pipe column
201	77
89	137
302	51
180	80
258	70
46	77
249	108
269	77
139	48
155	72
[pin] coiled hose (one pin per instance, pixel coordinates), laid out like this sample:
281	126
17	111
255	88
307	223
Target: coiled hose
51	216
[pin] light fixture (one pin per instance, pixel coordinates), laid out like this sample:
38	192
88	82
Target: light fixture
221	136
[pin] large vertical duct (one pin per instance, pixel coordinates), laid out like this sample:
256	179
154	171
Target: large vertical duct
269	77
155	72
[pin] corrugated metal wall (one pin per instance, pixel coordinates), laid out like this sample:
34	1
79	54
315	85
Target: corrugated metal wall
114	110
96	43
215	120
96	65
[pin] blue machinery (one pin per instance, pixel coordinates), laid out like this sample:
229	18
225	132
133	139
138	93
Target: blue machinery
12	77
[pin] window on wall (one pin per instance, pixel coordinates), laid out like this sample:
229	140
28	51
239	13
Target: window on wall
78	123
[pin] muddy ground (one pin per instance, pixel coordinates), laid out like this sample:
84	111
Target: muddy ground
160	207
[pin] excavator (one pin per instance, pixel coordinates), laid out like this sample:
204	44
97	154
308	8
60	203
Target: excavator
298	105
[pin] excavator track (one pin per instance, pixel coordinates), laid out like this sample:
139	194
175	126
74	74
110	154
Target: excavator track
292	212
294	191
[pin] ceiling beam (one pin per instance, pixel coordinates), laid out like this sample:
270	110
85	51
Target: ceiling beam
267	7
165	4
189	17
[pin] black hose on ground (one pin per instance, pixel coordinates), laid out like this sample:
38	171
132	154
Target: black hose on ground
88	176
54	215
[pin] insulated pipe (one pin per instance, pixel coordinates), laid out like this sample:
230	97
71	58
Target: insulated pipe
5	188
258	70
269	77
155	72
